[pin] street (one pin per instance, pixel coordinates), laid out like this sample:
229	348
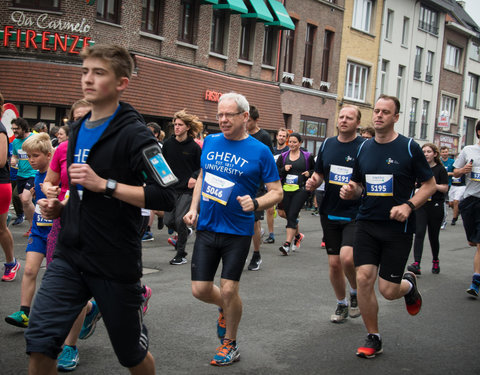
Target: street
285	328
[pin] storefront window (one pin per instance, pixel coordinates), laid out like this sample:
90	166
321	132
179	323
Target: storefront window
314	130
38	4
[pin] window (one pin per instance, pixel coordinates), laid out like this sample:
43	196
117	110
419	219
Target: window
469	131
218	31
449	106
269	43
406	25
109	10
327	47
424	125
417	73
362	15
384	76
413	118
151	16
474	51
314	130
187	19
452	58
289	44
428	20
429	68
356	81
400	73
38	4
472	94
307	62
246	38
389	25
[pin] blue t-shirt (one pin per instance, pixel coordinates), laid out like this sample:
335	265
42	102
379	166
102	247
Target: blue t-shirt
25	170
388	173
232	169
335	162
448	164
40	226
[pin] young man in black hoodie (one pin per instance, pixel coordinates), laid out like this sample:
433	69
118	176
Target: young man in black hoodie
183	155
98	251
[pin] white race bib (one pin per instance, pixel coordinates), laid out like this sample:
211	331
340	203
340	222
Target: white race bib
216	188
380	185
339	175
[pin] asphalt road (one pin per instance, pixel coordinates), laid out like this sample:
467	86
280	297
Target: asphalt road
286	326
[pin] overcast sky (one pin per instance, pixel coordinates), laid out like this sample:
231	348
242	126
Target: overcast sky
473	9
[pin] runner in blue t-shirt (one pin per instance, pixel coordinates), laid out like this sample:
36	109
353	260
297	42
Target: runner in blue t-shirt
334	165
448	164
385	171
232	166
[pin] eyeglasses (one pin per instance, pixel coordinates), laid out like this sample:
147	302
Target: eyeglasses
228	115
15	128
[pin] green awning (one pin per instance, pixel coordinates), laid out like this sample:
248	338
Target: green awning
210	2
236	6
280	14
258	9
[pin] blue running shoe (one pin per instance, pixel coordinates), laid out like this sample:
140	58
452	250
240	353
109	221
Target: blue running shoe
474	288
226	354
221	325
90	322
19	220
68	359
147	236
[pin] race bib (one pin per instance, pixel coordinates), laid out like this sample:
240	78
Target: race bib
339	175
216	188
41	222
380	185
22	155
475	174
291	179
456	180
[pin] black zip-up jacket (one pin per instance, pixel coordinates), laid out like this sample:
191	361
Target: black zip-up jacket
100	235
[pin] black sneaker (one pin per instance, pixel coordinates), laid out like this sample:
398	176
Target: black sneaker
341	314
413	299
372	347
353	310
269	239
255	262
436	267
415	268
285	248
454	221
160	224
178	260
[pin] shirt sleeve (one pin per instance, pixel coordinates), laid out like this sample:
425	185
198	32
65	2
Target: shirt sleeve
422	170
461	160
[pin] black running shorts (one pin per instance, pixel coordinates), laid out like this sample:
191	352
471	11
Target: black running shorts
337	234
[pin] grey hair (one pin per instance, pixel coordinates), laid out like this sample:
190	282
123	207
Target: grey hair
239	99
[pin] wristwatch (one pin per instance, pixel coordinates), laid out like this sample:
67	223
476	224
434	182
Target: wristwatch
111	186
255	205
411	205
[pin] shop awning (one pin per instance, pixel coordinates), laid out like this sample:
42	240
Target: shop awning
280	15
236	6
258	9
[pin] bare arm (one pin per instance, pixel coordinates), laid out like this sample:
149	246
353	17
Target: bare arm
314	182
274	195
3	149
352	190
50	185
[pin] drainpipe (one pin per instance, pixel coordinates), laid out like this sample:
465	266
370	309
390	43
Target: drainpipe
279	48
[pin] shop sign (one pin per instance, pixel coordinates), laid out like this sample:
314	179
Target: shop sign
212	96
447	140
443	121
61	35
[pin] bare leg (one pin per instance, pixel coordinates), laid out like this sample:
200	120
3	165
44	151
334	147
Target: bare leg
6	239
29	279
367	300
40	364
337	276
146	367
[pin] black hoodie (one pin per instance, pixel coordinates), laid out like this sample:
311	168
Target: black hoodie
100	235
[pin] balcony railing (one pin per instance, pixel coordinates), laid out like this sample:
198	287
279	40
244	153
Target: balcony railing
417	74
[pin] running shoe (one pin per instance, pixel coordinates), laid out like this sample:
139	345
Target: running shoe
415	268
413	299
19	220
436	267
454	221
9	218
18	319
160	223
269	239
146	297
68	359
90	322
190	231
262	232
474	288
255	262
173	240
221	325
372	347
147	236
178	260
226	354
322	245
28	232
285	248
11	270
341	313
297	241
353	309
315	212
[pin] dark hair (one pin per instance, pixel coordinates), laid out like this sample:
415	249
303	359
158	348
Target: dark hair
296	135
78	104
394	99
368	129
254	113
155	127
117	56
477	129
39	126
434	148
444	148
53	131
21	123
65	128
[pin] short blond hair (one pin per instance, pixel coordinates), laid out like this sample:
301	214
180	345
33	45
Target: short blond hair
39	142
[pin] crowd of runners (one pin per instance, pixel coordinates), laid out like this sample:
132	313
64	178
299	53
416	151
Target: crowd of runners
376	193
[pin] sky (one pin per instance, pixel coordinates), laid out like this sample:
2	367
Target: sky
473	9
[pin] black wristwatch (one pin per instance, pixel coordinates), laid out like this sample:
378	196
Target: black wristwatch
111	186
255	205
411	205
